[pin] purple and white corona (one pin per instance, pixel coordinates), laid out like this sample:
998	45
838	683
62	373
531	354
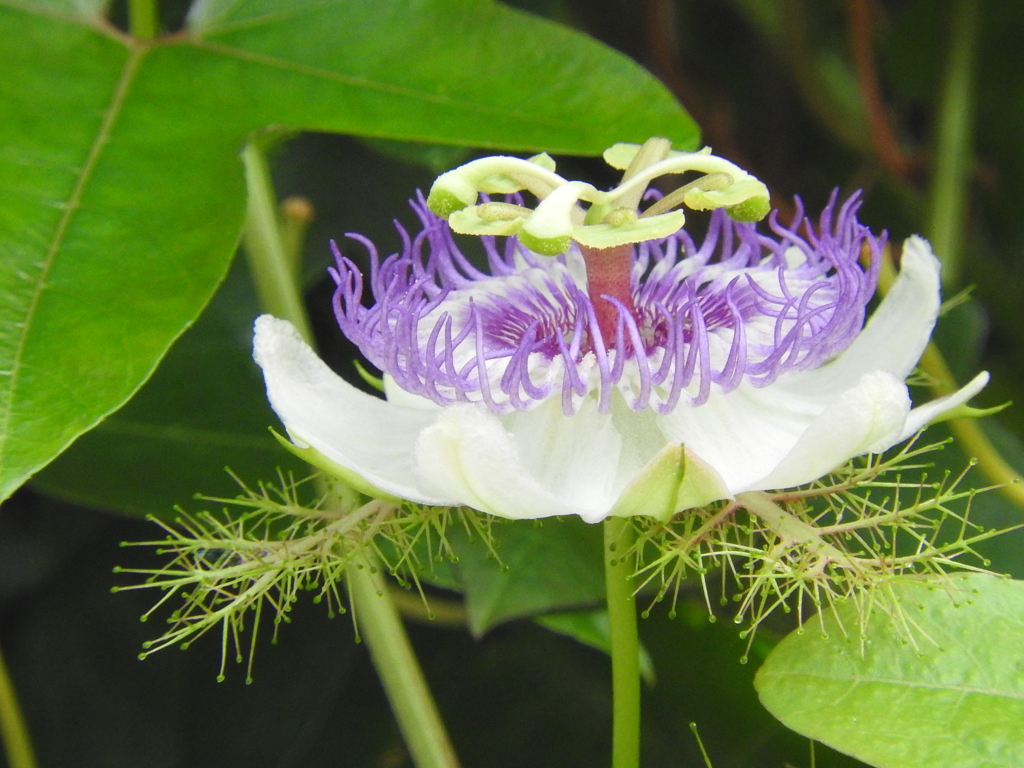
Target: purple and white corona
606	363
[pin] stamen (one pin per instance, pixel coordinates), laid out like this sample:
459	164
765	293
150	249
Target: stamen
675	198
502	211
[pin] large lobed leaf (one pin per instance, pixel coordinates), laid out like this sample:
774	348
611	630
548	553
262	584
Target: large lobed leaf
121	191
954	698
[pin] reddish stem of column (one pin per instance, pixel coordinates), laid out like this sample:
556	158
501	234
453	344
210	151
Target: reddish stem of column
608	271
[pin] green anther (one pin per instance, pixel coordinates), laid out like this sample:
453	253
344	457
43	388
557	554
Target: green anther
751	209
502	211
443	203
620	216
546	246
713	181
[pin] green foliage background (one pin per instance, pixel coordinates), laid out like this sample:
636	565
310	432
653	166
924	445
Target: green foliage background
125	330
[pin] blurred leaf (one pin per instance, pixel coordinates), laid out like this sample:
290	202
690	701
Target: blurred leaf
545	566
1005	553
702	679
204	409
591	627
769	16
954	698
998	123
960	334
122	194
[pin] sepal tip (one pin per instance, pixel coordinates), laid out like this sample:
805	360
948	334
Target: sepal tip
443	202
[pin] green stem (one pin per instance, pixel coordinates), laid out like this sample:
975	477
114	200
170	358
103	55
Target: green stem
296	215
618	577
17	744
392	655
277	285
953	142
790	529
143	21
271	268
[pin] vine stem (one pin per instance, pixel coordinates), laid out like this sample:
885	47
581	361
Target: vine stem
143	20
17	744
859	14
946	223
619	535
377	618
953	141
273	271
379	623
969	434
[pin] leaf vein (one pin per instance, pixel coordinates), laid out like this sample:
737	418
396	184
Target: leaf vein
184	434
896	682
369	84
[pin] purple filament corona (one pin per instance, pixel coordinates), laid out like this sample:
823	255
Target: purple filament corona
741	305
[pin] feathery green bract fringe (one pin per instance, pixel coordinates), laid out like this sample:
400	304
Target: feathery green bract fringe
230	567
847	536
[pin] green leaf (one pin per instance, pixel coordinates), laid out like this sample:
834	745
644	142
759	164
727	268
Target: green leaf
204	409
954	698
545	566
121	191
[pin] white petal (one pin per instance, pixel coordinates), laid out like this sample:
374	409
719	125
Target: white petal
895	336
865	419
743	434
371	437
398	396
531	464
925	414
